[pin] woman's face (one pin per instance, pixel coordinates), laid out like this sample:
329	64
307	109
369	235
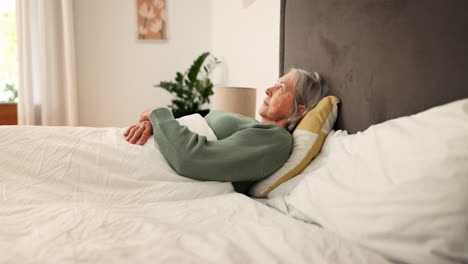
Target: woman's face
278	104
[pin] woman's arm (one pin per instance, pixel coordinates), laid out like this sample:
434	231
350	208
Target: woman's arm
249	154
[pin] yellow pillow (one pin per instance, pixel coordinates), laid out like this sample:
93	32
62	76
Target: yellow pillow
308	136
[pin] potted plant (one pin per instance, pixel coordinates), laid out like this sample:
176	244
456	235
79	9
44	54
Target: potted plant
193	88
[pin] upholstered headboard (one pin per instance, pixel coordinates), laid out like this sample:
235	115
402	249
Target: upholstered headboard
383	58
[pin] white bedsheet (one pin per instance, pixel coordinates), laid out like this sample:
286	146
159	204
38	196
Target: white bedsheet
85	195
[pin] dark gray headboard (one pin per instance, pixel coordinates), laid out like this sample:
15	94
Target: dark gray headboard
383	58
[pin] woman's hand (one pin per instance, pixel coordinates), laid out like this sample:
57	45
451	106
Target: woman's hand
145	115
139	133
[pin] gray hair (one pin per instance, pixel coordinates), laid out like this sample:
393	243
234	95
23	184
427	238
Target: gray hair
309	90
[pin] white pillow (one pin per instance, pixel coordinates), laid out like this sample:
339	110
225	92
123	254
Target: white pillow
318	162
399	188
197	124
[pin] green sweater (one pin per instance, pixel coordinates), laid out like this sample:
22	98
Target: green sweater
246	150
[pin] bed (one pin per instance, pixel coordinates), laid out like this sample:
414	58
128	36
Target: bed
388	187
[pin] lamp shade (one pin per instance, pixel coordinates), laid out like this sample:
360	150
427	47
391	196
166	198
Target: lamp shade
237	100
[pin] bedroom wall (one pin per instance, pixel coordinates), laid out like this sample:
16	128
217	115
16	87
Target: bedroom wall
246	38
115	72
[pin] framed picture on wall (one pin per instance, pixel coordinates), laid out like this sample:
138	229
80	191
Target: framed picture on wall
151	19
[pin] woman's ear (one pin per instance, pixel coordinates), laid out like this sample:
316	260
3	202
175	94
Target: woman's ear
301	110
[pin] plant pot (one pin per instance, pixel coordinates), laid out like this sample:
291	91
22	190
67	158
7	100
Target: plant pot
178	114
8	114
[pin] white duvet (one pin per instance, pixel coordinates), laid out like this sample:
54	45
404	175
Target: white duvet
85	195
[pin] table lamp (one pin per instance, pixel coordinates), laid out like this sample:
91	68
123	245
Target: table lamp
237	100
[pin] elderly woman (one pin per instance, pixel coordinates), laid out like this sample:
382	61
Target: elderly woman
246	150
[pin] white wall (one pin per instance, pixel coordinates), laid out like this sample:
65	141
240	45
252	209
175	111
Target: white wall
116	71
246	38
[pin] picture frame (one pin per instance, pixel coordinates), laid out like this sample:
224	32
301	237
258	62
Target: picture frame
151	20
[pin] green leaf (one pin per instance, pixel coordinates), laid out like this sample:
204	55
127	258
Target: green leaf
188	83
179	105
179	77
195	68
194	107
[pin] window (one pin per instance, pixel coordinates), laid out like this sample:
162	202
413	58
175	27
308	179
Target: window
8	53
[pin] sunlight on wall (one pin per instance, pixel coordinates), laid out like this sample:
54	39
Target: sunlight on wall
8	52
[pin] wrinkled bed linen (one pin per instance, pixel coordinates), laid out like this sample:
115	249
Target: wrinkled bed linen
85	195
